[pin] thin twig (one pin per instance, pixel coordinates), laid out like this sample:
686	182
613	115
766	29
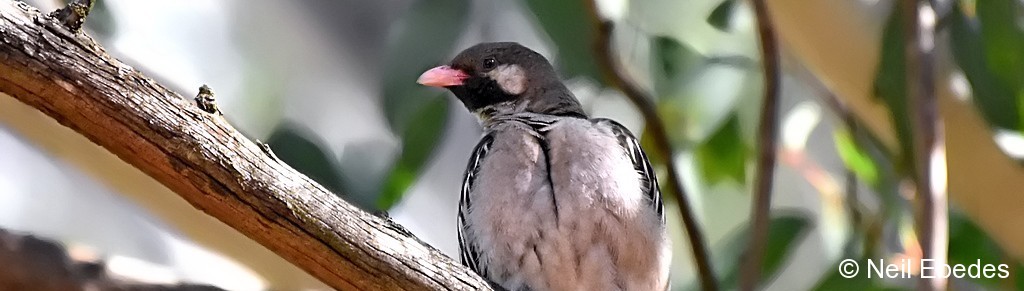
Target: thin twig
673	186
852	202
853	126
853	205
857	127
918	20
766	143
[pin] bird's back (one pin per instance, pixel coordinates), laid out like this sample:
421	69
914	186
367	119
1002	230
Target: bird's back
558	203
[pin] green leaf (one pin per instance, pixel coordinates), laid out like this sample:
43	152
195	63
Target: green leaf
418	141
891	87
673	65
993	96
723	156
855	158
568	25
784	233
721	16
969	245
300	148
1003	38
672	57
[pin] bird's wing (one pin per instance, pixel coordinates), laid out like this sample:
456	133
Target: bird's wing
468	251
640	162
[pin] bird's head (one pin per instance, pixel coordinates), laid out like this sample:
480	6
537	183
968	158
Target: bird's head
503	76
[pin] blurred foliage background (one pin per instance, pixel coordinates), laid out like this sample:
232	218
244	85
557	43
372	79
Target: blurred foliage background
330	85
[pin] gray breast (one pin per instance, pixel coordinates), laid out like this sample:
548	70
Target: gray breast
563	209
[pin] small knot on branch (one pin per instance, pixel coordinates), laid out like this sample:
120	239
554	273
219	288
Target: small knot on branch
205	101
73	15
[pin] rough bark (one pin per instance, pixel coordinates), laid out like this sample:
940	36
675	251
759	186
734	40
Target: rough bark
70	78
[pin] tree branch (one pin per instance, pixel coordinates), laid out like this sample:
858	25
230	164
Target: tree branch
70	78
767	133
32	263
673	186
929	156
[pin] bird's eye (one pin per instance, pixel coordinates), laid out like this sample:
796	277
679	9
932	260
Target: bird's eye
489	63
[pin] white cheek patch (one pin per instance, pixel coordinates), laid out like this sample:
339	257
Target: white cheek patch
511	78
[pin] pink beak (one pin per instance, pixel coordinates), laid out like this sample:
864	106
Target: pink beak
443	76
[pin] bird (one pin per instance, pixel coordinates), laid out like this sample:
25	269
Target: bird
551	199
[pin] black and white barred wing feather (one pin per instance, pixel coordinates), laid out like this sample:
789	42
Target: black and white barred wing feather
640	163
469	253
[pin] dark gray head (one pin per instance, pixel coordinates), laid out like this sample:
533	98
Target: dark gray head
504	73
